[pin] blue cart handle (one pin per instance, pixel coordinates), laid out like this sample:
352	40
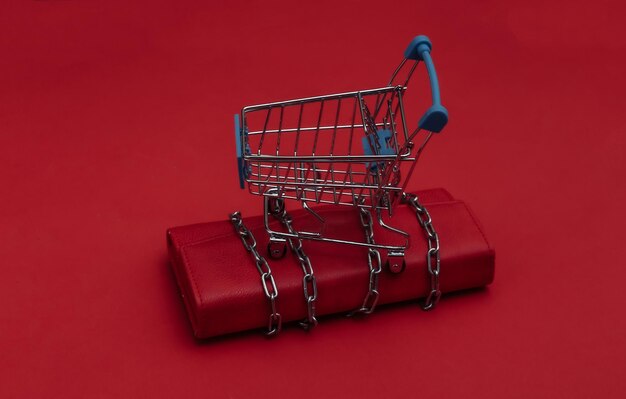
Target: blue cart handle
436	116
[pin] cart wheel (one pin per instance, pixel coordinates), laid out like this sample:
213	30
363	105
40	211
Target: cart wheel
276	250
396	267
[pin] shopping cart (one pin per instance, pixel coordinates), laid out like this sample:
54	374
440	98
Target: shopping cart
353	149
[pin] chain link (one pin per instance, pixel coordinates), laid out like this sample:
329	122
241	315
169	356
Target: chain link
309	283
267	279
432	256
373	262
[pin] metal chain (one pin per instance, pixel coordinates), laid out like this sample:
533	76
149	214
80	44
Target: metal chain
374	263
309	283
267	280
432	256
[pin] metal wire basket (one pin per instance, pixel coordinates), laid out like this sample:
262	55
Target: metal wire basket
350	149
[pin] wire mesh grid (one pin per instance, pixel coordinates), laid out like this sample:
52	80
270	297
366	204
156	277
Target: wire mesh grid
340	149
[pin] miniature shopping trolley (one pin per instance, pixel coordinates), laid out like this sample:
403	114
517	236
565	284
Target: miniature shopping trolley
350	149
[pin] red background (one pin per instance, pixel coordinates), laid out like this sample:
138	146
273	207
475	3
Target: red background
116	123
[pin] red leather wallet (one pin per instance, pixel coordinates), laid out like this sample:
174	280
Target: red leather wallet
222	290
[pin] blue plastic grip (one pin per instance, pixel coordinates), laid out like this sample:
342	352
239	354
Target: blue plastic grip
380	146
382	137
238	140
436	117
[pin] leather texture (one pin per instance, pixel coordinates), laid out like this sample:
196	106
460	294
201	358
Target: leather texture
221	286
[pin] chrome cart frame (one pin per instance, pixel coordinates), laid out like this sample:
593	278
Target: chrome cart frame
351	149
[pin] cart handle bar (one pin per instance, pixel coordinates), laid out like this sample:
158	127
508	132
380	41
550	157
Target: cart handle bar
436	117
